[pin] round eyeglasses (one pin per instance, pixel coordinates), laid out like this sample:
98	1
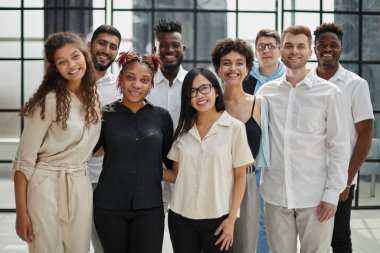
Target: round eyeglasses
270	46
203	89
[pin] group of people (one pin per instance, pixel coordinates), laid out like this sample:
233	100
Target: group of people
270	156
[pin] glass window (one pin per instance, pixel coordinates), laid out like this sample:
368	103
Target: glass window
10	49
10	84
371	33
257	5
212	26
8	17
174	4
34	3
34	24
376	130
345	5
99	3
11	3
215	4
301	5
99	18
34	49
371	73
371	5
9	129
351	67
251	23
310	20
33	74
350	26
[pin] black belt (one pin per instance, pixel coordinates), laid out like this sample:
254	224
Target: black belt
250	169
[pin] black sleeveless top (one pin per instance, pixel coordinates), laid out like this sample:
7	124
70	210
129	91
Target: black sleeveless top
253	132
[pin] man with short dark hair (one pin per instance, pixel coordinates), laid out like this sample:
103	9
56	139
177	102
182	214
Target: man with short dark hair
104	46
268	68
309	152
358	108
169	46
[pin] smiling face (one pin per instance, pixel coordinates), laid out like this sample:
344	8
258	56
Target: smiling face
203	95
104	50
233	68
70	64
328	49
267	57
135	83
170	49
295	51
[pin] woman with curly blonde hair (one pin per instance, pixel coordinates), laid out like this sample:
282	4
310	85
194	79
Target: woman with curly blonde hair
136	137
62	124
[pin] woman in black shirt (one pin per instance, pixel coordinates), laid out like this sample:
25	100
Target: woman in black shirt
136	138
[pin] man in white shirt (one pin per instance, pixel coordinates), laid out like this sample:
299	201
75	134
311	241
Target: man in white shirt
309	152
104	46
358	108
166	92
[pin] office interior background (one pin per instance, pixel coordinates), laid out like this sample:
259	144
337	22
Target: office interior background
24	25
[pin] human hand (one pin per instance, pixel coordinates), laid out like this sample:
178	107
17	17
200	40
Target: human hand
24	227
344	195
227	237
325	211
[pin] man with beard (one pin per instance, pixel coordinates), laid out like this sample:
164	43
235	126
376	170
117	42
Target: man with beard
169	46
103	47
358	108
309	152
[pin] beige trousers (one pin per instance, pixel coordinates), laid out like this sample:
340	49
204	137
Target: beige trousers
60	207
284	225
247	226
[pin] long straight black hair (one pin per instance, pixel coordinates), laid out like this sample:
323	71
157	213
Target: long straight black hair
188	114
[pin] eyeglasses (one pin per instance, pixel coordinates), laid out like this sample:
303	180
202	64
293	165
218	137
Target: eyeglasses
203	89
261	47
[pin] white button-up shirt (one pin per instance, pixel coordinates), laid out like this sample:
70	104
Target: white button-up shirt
309	143
357	101
204	185
168	97
109	92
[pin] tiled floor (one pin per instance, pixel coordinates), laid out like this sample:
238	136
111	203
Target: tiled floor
365	233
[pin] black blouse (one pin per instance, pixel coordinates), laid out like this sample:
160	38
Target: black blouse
135	147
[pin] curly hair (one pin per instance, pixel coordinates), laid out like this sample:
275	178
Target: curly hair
328	27
225	46
54	82
163	26
125	58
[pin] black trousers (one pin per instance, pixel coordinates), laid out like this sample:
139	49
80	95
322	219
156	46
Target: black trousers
126	231
194	236
341	240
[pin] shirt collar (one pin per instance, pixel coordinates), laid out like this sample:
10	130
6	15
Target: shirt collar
308	80
107	76
159	76
339	75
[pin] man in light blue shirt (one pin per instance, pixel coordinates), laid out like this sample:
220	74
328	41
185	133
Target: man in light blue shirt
268	68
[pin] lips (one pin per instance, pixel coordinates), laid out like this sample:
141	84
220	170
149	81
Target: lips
73	72
134	93
202	102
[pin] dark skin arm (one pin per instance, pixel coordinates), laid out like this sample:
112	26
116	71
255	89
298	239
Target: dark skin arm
362	146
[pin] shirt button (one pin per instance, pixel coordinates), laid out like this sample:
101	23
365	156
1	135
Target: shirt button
137	139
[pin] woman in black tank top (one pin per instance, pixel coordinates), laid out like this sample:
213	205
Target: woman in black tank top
232	60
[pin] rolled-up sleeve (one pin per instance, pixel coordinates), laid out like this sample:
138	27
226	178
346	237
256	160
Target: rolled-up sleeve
32	138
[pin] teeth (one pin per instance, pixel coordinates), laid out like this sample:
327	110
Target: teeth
103	57
327	55
169	56
232	75
201	103
74	71
135	93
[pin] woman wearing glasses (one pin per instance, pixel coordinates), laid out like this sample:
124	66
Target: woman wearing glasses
232	60
210	154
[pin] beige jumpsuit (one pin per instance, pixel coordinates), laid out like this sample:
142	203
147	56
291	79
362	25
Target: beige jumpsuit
59	194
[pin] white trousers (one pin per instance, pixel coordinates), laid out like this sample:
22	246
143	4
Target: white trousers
44	201
284	225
